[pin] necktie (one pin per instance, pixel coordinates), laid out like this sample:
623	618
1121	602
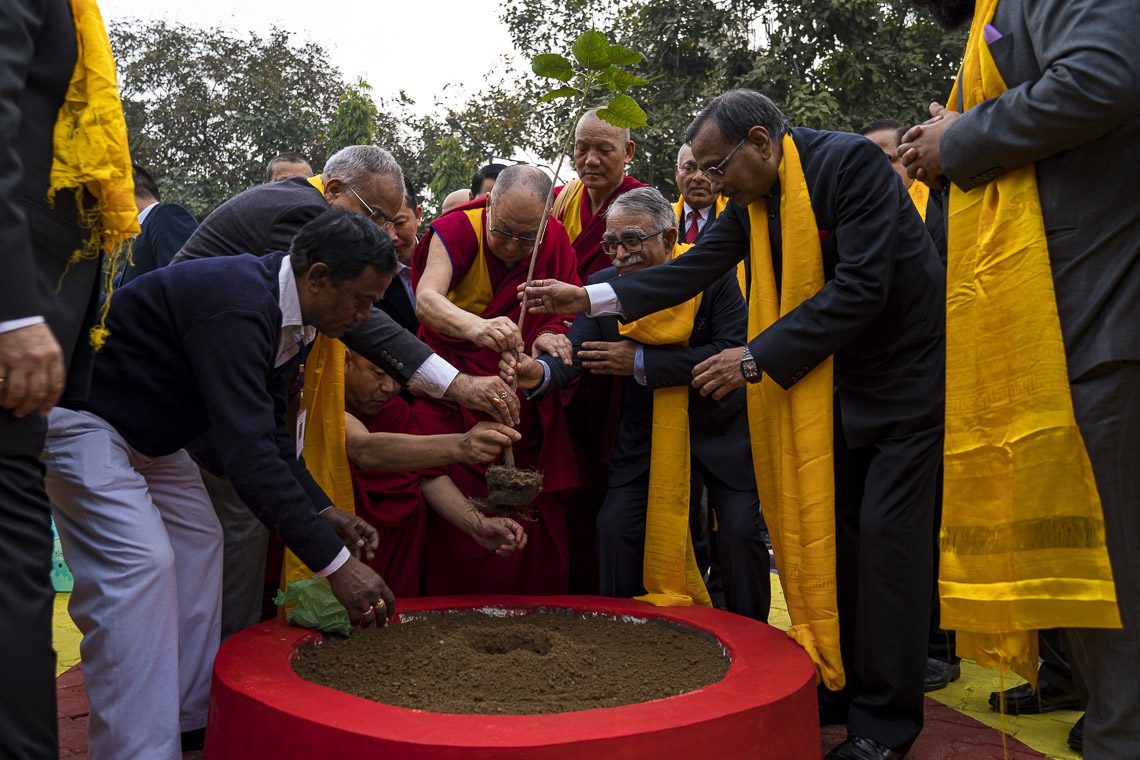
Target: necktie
691	233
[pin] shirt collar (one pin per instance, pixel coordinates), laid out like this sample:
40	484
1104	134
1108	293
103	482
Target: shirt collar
703	213
146	212
290	303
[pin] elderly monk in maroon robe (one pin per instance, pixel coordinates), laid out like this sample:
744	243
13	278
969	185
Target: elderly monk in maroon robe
396	475
601	153
466	270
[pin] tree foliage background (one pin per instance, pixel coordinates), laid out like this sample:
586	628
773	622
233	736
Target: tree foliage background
206	109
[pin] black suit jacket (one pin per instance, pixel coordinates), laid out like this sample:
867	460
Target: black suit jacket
266	218
881	311
1072	109
165	230
37	57
718	429
397	305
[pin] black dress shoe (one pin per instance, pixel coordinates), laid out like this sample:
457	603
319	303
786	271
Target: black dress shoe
1023	700
940	674
1077	736
862	748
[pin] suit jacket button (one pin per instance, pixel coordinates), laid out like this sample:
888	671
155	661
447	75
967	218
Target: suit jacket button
399	366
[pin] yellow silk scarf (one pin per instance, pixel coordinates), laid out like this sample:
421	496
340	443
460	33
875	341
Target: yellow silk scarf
669	567
325	451
1022	539
473	292
572	209
89	150
792	435
919	193
721	202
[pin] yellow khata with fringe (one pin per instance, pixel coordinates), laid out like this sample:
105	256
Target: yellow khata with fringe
919	193
670	573
1022	539
718	207
89	151
325	452
793	448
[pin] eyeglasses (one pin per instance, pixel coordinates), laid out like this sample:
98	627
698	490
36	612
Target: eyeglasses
630	241
716	173
523	239
688	169
384	222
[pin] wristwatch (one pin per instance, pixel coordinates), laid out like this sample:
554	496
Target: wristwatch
748	367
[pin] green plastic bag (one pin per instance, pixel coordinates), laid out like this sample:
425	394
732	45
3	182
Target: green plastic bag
314	606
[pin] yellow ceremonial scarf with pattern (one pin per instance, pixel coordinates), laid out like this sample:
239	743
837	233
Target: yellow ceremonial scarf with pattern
324	449
1022	539
89	151
670	573
793	448
919	193
721	202
473	293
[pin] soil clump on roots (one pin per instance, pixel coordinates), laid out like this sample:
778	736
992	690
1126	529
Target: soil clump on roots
510	491
541	662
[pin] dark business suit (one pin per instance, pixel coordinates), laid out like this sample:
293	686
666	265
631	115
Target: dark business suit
1072	110
880	315
398	305
720	450
261	220
37	57
165	230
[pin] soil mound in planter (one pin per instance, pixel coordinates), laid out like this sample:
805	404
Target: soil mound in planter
517	664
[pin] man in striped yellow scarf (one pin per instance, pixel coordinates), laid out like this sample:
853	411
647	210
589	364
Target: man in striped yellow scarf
1044	272
845	363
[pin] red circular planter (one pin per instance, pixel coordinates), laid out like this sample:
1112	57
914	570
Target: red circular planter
764	707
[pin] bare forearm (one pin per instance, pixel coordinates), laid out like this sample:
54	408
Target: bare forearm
449	503
399	452
434	310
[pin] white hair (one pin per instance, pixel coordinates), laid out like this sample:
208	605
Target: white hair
645	200
359	163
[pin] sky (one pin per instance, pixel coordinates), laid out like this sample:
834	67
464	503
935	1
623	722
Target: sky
387	43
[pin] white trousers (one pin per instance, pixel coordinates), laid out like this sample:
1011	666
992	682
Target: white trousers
145	547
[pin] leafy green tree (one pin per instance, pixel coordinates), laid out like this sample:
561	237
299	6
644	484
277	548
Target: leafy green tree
452	168
207	108
355	119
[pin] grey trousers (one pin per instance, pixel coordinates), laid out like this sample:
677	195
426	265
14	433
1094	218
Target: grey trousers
246	541
1107	662
146	551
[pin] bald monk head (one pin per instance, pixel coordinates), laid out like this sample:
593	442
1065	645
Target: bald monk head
514	210
601	152
455	198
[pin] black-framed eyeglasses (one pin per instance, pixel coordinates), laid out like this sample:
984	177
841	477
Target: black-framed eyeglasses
630	241
716	173
383	222
523	239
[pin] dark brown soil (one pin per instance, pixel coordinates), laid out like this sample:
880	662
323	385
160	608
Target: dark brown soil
509	490
542	662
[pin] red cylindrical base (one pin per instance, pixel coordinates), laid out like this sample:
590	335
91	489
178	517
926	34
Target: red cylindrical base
764	707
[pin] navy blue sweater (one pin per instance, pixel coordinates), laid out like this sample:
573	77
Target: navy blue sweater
192	349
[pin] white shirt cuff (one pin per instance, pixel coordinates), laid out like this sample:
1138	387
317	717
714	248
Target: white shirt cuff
16	324
433	377
545	381
603	300
335	565
639	365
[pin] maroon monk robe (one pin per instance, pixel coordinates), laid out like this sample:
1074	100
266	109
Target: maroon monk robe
393	503
453	563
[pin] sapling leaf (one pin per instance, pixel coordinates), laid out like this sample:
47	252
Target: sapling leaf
623	112
623	56
561	92
620	80
592	50
554	66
